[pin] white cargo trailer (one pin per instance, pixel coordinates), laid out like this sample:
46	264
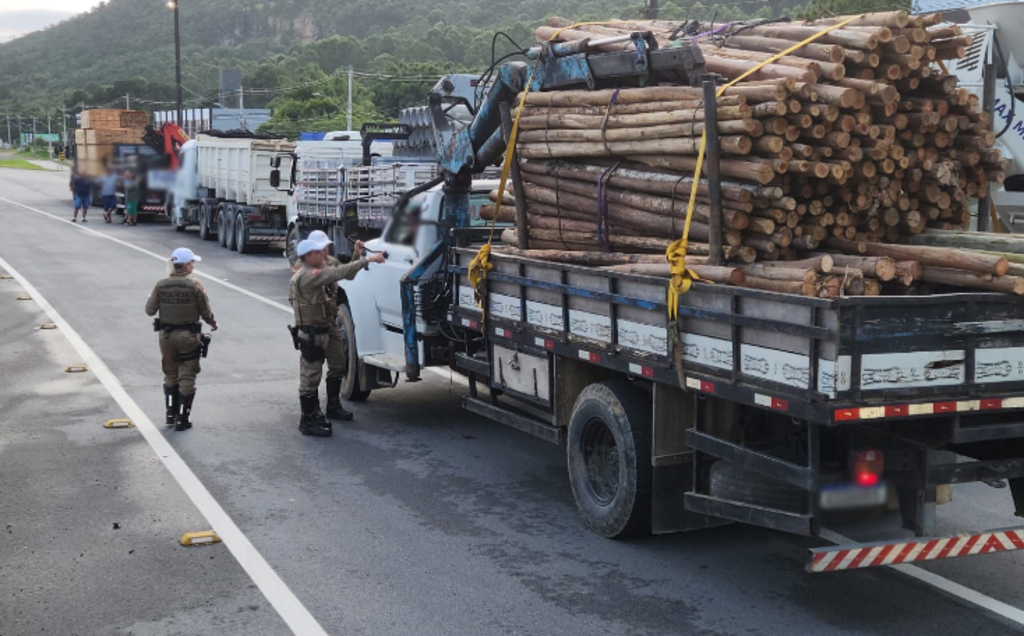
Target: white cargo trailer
223	186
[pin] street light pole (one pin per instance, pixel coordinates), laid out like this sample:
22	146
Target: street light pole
177	58
349	118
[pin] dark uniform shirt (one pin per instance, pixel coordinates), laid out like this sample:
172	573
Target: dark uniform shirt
180	299
308	295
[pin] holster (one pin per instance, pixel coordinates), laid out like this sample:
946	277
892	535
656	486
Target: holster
304	338
157	325
206	340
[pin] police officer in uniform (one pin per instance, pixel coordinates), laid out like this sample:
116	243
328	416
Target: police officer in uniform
181	301
316	330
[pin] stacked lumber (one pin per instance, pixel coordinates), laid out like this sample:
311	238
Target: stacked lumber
856	139
101	130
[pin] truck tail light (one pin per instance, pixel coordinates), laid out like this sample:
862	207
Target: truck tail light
866	467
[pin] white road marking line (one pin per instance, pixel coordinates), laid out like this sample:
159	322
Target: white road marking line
142	250
443	373
277	593
962	592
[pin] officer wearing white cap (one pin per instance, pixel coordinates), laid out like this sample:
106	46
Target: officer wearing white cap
316	333
181	301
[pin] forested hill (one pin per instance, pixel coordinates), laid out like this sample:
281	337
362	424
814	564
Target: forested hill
126	46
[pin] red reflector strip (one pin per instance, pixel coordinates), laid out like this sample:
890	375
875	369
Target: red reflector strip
945	407
590	356
897	411
696	384
988	405
638	369
839	558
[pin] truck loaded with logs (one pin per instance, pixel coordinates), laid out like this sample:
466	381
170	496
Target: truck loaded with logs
729	269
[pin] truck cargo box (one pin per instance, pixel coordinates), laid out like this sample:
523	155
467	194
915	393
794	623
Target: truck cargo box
238	170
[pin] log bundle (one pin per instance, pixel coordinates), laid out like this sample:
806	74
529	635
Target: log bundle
855	141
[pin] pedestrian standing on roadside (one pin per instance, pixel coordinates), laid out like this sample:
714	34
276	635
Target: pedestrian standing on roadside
181	301
108	192
81	190
316	333
131	199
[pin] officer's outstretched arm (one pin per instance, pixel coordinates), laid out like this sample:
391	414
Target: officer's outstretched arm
328	275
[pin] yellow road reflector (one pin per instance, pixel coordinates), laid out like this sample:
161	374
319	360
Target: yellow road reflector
47	325
122	423
199	538
23	297
76	368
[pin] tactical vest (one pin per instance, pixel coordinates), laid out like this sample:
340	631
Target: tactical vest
308	301
177	296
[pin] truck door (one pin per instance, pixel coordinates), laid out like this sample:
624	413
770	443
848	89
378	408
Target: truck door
406	237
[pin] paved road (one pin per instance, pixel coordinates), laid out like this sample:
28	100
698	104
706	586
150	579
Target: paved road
417	518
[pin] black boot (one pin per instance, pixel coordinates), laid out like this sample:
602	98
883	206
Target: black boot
313	421
171	399
184	410
335	411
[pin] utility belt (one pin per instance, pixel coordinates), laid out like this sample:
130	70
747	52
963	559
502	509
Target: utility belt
304	340
194	327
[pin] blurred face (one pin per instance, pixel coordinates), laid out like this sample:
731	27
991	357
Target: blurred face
314	259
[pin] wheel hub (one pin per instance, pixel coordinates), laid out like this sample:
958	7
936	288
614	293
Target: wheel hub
601	461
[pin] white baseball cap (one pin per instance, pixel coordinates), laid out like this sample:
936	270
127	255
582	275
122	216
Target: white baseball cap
319	236
306	246
183	255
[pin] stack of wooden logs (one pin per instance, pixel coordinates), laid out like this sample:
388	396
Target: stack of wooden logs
856	139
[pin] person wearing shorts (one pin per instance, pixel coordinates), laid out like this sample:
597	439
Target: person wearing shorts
81	190
131	199
108	191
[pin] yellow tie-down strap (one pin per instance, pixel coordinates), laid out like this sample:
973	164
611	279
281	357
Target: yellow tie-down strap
682	277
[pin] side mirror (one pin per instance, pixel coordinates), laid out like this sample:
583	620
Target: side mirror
275	162
275	178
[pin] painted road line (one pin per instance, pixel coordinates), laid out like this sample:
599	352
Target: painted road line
142	250
277	593
241	290
962	592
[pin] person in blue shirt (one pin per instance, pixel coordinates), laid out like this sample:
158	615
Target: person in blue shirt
81	189
108	190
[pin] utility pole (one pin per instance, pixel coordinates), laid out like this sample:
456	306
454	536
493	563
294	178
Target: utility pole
127	102
49	131
177	59
10	142
64	126
33	130
348	124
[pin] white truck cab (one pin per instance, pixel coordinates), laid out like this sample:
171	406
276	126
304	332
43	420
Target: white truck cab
371	315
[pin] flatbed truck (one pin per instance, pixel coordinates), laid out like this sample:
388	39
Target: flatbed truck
749	406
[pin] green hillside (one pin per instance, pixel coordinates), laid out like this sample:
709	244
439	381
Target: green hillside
126	47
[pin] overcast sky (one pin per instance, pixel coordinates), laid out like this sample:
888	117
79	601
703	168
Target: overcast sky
18	17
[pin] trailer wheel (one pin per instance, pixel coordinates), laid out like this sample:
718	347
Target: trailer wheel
205	216
609	455
222	226
736	483
242	235
350	383
229	231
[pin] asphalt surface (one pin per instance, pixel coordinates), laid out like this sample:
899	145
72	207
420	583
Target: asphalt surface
416	518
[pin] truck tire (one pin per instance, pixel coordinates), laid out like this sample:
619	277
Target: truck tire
229	231
242	235
736	483
222	226
609	457
350	383
205	216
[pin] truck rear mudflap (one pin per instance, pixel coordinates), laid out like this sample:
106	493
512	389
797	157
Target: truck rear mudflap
870	555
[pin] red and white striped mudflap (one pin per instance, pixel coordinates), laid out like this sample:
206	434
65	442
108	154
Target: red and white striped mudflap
835	558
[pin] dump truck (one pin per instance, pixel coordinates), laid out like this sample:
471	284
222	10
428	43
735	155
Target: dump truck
223	186
741	405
